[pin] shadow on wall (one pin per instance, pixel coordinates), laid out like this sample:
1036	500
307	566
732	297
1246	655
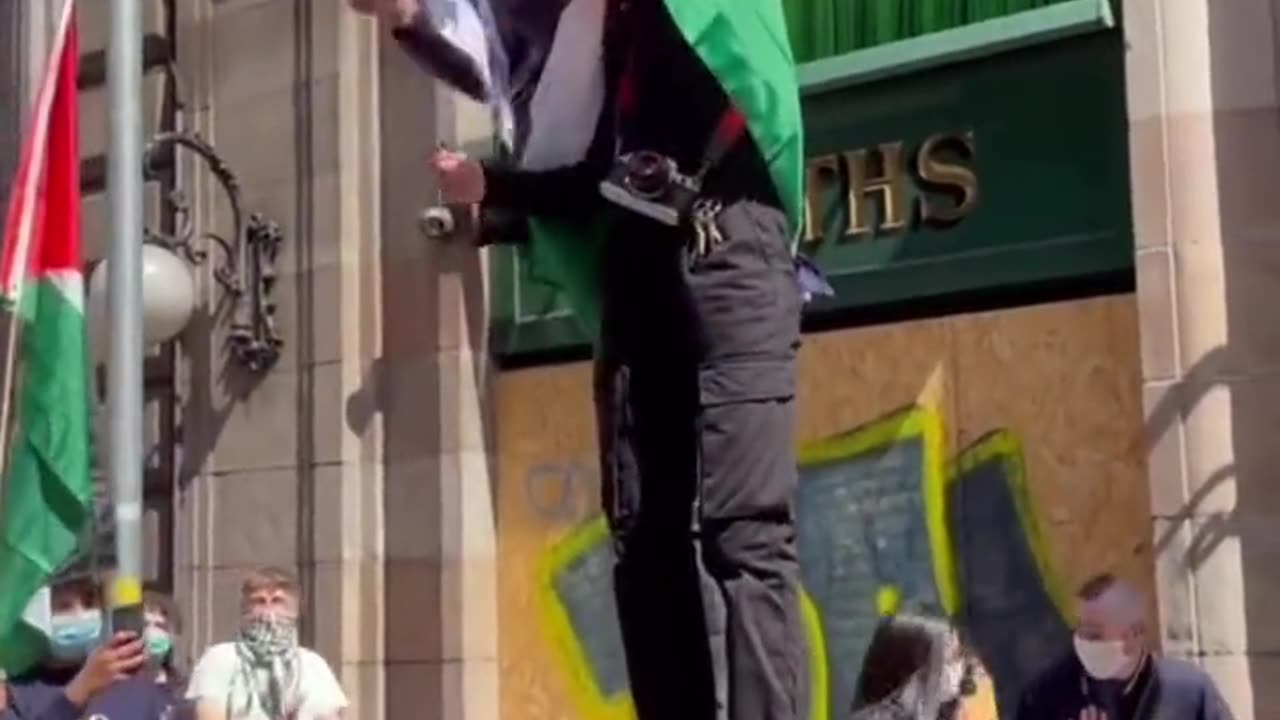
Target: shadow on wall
887	523
1244	56
432	330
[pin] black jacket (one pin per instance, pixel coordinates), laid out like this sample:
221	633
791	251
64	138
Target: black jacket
678	104
1164	689
41	697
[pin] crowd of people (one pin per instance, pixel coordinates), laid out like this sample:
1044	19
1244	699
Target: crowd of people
915	668
261	674
918	668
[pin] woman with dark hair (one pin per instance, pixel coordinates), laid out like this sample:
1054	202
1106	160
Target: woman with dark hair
915	669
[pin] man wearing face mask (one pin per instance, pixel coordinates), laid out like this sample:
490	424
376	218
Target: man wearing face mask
82	676
264	674
1113	674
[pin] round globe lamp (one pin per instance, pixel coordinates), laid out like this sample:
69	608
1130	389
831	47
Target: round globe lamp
168	299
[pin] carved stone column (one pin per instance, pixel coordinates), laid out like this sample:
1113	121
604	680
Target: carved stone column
1205	150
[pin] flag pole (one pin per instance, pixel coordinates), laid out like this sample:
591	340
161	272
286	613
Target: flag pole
6	409
124	368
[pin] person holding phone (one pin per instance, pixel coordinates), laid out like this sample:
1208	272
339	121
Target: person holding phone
82	675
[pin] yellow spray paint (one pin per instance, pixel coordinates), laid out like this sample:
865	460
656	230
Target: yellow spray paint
922	422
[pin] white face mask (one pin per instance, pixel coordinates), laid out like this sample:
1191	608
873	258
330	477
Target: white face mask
953	680
1102	659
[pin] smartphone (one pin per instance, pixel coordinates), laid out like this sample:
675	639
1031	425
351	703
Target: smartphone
133	619
128	618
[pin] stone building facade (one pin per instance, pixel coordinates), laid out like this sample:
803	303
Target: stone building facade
1204	146
360	459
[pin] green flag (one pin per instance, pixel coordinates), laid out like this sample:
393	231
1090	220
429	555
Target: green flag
47	486
745	45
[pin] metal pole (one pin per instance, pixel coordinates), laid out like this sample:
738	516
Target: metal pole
124	365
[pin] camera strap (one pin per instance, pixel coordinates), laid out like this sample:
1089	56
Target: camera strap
728	131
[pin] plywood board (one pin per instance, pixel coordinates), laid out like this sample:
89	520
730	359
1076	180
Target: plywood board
977	466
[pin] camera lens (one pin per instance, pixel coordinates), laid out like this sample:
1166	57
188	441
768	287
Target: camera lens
648	174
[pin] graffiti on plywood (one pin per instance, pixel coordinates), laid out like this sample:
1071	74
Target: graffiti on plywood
887	522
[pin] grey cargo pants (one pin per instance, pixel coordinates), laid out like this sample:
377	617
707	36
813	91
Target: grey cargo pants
695	384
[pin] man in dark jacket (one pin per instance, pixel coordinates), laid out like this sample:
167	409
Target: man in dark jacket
695	375
1113	675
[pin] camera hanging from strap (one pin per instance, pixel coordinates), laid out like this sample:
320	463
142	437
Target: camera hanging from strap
652	184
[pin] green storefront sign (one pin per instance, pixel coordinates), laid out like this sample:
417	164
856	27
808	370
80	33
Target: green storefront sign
1000	170
891	188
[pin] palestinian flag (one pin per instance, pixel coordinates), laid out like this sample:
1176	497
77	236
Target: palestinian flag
539	64
46	486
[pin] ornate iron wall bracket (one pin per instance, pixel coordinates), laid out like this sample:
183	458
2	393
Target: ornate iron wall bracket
246	265
254	340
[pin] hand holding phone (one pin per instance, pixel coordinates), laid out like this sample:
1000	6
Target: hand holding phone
117	659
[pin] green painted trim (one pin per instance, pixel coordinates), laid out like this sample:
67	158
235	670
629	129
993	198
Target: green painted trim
1020	265
558	334
968	42
1049	260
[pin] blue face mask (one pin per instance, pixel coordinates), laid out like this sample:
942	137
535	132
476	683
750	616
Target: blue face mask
73	635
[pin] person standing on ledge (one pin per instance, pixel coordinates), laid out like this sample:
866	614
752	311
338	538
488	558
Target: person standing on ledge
693	167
